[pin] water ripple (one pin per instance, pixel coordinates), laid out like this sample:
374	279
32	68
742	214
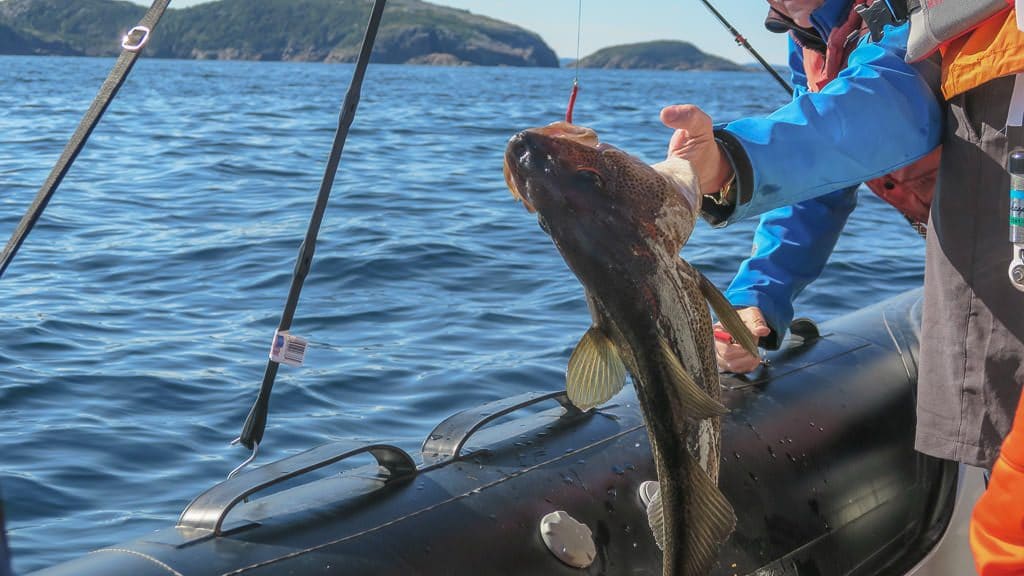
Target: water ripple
138	314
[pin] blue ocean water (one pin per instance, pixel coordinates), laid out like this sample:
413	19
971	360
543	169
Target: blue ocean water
137	317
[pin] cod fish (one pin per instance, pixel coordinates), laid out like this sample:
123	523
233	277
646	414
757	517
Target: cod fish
620	224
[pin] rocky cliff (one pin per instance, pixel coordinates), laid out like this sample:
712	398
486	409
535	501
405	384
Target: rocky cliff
411	32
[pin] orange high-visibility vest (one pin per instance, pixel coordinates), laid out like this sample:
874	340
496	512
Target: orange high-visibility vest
994	48
997	524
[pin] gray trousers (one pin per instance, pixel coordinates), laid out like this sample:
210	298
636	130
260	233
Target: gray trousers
972	356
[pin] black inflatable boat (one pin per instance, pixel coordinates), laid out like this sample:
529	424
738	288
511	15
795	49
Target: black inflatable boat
818	462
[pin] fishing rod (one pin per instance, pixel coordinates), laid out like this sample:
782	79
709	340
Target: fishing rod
131	47
285	347
743	42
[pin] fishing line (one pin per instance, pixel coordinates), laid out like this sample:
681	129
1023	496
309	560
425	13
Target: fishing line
576	78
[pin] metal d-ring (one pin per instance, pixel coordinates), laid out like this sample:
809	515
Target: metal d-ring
255	447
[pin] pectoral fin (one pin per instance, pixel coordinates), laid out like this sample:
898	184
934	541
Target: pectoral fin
596	373
727	315
656	519
707	515
697	402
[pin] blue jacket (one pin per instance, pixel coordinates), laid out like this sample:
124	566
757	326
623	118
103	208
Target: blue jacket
800	166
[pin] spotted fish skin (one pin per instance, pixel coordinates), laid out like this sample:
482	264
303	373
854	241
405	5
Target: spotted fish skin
619	224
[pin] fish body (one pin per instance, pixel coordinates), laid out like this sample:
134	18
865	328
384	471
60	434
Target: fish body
619	224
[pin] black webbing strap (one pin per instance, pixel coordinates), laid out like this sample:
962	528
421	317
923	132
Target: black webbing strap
132	46
256	422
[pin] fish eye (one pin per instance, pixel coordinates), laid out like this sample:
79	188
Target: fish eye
590	176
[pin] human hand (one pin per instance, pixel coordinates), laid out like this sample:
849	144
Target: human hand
694	140
730	355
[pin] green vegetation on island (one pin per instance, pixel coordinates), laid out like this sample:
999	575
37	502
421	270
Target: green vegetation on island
411	32
657	55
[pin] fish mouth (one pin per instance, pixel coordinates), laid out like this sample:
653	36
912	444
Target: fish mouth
517	154
533	151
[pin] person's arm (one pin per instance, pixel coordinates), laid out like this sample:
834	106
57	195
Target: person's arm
766	279
791	246
879	114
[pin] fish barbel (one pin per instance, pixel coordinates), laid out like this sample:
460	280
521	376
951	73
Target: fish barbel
619	224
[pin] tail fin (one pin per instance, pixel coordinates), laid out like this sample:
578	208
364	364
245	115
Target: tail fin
5	551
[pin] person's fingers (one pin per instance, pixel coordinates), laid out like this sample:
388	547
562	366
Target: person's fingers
730	356
755	321
734	358
694	141
743	366
735	353
686	117
677	141
693	134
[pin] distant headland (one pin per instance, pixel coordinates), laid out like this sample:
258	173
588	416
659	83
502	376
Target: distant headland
657	55
411	32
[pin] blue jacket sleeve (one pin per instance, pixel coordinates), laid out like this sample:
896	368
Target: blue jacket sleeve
791	246
879	114
796	68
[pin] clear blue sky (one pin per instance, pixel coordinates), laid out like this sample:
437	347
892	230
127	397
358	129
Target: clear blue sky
610	22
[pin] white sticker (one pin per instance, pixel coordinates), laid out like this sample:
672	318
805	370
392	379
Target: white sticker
1019	7
288	349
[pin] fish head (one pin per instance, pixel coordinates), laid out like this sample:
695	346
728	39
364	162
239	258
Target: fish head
600	205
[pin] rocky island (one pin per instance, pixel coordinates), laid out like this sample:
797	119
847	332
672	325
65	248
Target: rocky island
657	55
411	32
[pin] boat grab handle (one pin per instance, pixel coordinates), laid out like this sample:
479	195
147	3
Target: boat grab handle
209	509
448	438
